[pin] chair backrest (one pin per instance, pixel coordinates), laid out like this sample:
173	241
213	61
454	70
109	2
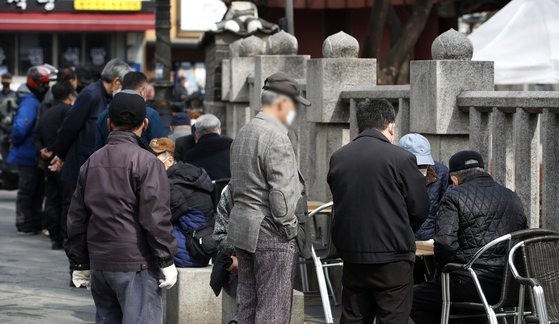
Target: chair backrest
322	229
510	287
541	259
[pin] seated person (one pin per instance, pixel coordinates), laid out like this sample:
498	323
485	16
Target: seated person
474	212
436	178
132	81
211	150
191	201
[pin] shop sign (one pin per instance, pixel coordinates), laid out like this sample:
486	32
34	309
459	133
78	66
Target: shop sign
108	5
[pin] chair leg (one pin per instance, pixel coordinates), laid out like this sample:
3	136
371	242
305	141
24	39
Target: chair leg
445	282
304	275
323	289
541	308
521	298
329	284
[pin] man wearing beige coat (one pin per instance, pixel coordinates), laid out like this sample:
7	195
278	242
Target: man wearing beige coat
269	205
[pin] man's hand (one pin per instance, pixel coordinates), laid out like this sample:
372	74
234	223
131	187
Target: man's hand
234	267
56	164
81	278
169	277
45	154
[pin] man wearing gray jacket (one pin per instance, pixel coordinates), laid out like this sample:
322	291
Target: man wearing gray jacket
268	195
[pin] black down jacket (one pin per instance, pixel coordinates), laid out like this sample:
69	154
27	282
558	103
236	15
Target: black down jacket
473	214
191	187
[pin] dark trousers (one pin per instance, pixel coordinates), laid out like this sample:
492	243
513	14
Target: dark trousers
427	297
383	291
127	297
29	201
56	207
266	277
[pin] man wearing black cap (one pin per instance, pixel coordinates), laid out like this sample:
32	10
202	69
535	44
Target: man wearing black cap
119	222
473	213
269	206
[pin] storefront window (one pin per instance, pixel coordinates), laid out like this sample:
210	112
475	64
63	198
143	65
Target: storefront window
7	52
69	49
98	48
34	49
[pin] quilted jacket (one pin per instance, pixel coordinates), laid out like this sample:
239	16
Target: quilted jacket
472	215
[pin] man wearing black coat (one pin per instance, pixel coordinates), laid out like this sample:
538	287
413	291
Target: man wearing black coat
44	140
76	138
379	202
211	151
474	212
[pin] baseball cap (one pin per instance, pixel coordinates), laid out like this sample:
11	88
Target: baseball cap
419	146
465	160
163	144
180	119
280	83
127	109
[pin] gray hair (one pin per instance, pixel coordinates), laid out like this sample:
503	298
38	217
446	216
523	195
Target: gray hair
463	174
207	124
115	68
268	97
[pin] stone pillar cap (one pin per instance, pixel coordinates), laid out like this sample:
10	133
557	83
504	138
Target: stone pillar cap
452	45
282	43
252	46
340	45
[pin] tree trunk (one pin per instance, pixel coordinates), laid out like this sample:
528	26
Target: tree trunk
390	65
375	28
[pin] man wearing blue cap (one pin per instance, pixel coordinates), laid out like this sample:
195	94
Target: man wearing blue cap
180	126
436	178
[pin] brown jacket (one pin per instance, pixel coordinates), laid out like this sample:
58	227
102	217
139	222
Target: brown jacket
119	219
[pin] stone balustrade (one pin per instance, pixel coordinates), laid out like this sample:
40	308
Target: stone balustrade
507	127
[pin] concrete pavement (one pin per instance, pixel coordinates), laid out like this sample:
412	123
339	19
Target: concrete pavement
34	280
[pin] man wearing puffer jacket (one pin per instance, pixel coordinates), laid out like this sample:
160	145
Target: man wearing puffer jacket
474	212
23	154
191	200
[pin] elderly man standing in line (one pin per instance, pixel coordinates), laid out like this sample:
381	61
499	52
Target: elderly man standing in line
268	195
379	201
211	151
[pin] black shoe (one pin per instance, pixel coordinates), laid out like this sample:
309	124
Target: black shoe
57	246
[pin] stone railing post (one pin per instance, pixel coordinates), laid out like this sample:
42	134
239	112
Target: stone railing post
436	83
502	147
339	70
235	90
550	172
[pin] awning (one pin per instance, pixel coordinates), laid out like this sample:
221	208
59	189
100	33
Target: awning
71	22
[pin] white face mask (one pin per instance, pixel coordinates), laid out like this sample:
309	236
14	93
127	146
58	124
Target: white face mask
290	119
116	91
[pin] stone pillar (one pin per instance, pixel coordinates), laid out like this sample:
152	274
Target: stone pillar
240	67
436	83
550	170
339	70
281	56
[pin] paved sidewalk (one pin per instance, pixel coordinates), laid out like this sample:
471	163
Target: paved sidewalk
34	280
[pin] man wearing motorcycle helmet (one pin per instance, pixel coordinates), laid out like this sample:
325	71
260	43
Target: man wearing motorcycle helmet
30	184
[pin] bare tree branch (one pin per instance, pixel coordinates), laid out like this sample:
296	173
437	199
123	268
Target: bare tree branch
375	28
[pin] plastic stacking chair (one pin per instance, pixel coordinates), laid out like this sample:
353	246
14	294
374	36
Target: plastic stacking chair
508	304
324	256
540	258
